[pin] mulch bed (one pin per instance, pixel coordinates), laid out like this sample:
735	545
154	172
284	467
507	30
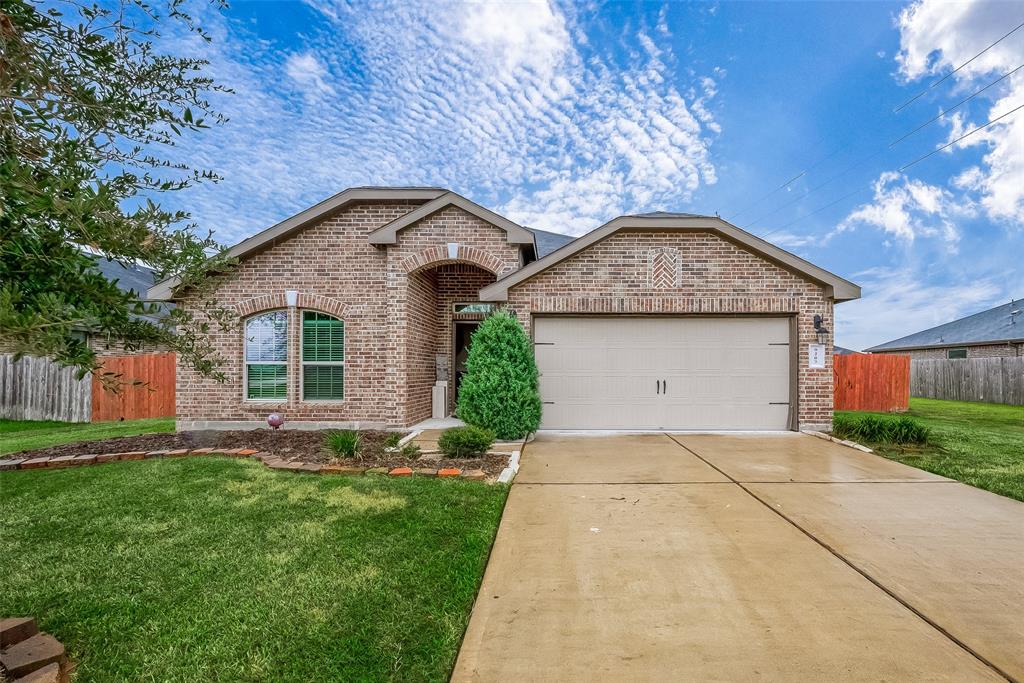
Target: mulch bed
290	444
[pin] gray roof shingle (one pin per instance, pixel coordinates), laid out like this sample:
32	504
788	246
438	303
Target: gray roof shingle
997	324
548	242
667	214
137	278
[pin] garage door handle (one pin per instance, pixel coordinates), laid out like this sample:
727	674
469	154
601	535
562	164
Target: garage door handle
664	386
657	386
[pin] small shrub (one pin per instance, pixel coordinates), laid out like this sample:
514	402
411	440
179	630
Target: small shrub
462	442
391	440
878	429
908	430
345	443
410	451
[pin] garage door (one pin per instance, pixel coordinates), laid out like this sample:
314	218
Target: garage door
663	373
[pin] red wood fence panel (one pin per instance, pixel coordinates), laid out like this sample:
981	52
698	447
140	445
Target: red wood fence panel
865	381
154	398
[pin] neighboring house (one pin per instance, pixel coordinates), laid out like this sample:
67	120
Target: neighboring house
137	278
997	332
354	309
842	351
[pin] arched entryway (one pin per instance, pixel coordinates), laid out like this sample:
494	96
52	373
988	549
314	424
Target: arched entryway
442	311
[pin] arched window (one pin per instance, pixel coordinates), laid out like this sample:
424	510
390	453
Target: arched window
266	357
323	357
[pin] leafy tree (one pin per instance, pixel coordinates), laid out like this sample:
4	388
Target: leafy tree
89	112
499	390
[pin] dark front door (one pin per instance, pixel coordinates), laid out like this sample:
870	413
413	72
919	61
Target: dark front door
463	336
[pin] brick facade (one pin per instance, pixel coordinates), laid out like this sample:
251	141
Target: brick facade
389	298
396	302
714	276
1007	350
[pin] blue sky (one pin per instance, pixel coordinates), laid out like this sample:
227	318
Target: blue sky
562	116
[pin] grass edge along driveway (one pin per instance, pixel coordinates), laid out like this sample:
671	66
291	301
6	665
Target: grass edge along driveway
981	444
219	569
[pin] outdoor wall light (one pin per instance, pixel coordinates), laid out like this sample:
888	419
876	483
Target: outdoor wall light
820	330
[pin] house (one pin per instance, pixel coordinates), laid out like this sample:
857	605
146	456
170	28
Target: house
997	332
843	351
137	278
354	310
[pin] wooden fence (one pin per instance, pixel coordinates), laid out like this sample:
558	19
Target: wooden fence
153	398
868	382
990	380
39	389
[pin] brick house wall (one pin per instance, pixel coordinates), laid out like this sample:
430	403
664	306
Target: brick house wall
1008	350
424	246
421	341
705	275
334	261
387	297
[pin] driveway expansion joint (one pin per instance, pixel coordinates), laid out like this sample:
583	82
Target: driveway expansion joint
850	564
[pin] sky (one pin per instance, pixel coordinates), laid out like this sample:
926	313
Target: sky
787	119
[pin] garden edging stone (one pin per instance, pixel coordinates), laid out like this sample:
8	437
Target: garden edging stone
269	460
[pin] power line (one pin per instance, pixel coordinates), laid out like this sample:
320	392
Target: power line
949	144
892	144
815	188
804	172
901	169
946	111
762	198
1012	31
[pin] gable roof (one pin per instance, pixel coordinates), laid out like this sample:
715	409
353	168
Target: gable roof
289	226
996	325
388	234
546	242
836	287
136	278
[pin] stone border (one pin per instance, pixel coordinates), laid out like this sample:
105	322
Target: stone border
510	472
27	654
270	460
844	442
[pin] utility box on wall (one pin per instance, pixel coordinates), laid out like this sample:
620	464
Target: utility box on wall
439	400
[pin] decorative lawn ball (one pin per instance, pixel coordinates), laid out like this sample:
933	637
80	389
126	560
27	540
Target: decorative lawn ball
275	420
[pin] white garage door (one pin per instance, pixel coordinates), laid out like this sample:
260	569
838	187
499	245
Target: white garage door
663	373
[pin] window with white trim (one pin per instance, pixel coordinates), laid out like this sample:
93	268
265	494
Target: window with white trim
266	357
323	357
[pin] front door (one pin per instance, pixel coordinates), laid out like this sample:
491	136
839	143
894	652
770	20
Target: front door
463	336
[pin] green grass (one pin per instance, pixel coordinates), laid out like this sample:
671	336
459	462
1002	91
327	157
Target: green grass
23	435
219	569
981	444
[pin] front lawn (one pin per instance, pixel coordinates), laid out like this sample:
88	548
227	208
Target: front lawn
981	444
220	569
23	435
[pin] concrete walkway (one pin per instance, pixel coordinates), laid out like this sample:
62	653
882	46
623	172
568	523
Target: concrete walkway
724	558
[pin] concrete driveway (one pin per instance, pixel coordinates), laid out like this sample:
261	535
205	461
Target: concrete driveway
724	558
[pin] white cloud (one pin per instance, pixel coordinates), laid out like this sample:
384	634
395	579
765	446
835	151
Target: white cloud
507	103
308	73
901	301
935	38
909	209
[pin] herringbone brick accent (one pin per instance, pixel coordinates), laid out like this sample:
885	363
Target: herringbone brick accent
664	267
